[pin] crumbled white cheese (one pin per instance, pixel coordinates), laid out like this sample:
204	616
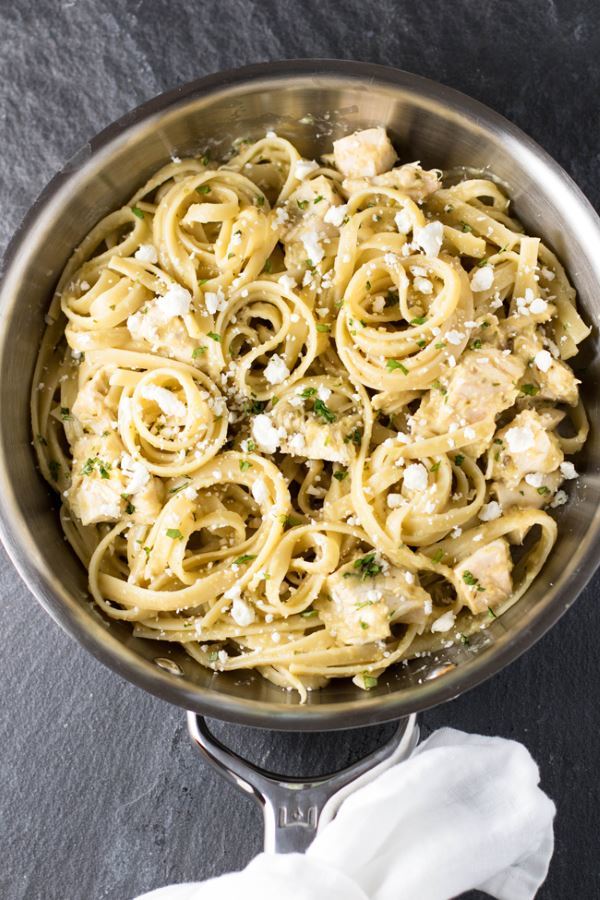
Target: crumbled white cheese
304	167
335	215
297	443
423	285
415	477
242	613
146	253
323	393
519	439
190	493
166	400
490	511
559	500
175	302
568	471
138	474
403	221
444	623
429	238
265	434
314	251
276	370
535	479
409	577
287	282
454	337
215	301
548	274
483	279
260	492
543	360
538	306
394	501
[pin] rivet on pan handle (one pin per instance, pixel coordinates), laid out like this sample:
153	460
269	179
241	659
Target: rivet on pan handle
295	808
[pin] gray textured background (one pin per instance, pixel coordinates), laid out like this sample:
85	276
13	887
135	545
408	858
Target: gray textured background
102	794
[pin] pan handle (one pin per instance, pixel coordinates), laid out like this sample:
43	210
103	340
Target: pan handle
295	808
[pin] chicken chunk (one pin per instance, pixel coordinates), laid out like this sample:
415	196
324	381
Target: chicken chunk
485	576
315	440
533	494
167	336
364	153
308	230
525	447
410	179
107	484
558	383
94	407
481	386
362	606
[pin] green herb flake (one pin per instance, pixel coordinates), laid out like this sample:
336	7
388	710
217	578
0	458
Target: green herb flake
260	200
318	199
482	262
530	390
203	189
54	468
180	487
543	490
174	534
369	682
440	345
308	392
214	337
437	556
198	351
435	466
268	267
355	437
341	474
321	409
245	465
323	328
492	614
137	212
302	203
476	344
367	566
439	387
465	227
309	613
418	320
244	558
393	364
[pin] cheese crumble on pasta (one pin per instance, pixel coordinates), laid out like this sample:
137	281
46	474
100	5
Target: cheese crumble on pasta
308	417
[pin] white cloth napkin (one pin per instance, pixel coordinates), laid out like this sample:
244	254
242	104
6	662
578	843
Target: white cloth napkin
463	812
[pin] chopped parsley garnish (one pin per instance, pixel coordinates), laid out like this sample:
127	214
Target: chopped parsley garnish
214	337
470	579
323	328
437	556
366	566
369	681
492	614
250	445
180	487
476	344
244	558
137	212
204	160
198	351
465	227
308	392
130	508
202	281
318	199
203	189
341	474
421	343
435	466
368	285
308	613
439	387
268	267
418	320
530	390
465	640
363	625
543	490
459	459
256	406
390	299
302	203
65	414
355	437
440	345
260	200
54	467
94	462
321	409
393	364
245	465
482	262
174	534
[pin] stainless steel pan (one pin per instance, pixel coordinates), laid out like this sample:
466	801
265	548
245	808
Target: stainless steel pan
311	102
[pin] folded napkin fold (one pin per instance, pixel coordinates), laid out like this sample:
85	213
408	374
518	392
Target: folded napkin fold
463	812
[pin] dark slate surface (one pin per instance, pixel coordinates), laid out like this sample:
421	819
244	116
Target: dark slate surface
102	794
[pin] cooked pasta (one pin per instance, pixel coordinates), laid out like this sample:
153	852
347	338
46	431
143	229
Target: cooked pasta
309	417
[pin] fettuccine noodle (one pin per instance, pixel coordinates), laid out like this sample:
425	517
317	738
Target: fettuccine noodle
309	418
